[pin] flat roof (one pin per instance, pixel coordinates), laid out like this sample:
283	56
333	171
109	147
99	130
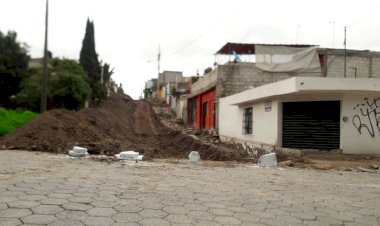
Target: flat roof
249	48
306	85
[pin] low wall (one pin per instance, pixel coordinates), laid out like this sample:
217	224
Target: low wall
253	149
256	149
205	83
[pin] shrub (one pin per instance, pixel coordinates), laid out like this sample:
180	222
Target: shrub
12	120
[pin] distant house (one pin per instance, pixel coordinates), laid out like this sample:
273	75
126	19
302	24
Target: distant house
166	82
171	88
305	113
180	94
39	62
150	88
35	63
272	63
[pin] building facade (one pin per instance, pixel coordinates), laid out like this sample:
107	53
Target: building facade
305	113
235	77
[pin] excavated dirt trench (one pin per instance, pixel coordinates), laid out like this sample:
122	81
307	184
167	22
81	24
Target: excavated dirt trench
118	124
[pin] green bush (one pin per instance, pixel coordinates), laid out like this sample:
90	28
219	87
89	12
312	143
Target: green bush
12	120
67	87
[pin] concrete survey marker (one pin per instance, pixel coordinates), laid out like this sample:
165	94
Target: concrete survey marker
78	152
194	156
129	155
268	161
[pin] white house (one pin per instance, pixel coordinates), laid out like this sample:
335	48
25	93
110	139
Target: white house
305	113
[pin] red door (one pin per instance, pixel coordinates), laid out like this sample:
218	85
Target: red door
208	110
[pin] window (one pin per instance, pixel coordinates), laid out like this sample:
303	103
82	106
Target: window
247	121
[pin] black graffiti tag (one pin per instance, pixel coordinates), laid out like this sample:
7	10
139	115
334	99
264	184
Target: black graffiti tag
369	116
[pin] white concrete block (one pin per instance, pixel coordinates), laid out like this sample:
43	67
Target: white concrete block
268	160
129	155
78	152
194	156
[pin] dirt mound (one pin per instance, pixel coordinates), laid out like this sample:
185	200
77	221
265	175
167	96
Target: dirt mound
118	124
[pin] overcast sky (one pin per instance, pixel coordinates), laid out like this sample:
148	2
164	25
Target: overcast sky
128	33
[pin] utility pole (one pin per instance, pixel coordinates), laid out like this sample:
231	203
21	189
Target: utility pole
159	59
43	106
345	51
158	88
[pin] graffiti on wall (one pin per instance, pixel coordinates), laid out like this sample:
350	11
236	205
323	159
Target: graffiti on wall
367	117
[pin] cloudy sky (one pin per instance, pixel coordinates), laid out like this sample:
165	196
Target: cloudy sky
128	33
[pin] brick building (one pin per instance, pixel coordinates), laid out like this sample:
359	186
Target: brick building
235	77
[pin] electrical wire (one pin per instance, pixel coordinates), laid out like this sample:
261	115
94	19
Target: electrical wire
248	33
203	33
364	16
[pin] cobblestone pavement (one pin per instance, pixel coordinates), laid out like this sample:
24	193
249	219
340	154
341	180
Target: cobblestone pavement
46	189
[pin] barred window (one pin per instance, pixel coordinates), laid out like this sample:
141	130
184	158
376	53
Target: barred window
247	120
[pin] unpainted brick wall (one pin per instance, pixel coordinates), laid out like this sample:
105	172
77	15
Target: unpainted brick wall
366	66
234	78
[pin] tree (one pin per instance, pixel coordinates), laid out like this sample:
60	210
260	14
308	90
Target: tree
89	60
107	73
67	86
13	67
29	96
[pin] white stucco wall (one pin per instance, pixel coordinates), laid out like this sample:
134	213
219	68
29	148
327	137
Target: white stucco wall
360	134
230	119
265	124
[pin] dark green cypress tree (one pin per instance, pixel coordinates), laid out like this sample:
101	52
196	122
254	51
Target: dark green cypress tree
89	60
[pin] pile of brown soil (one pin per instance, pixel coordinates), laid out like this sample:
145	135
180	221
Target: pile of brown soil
118	124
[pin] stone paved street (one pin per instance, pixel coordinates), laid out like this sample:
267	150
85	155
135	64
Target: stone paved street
47	189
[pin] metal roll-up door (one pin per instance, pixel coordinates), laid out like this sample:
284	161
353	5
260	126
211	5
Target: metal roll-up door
311	125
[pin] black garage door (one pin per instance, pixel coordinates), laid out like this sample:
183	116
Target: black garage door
311	125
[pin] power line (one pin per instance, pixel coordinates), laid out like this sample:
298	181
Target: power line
364	16
202	34
248	32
